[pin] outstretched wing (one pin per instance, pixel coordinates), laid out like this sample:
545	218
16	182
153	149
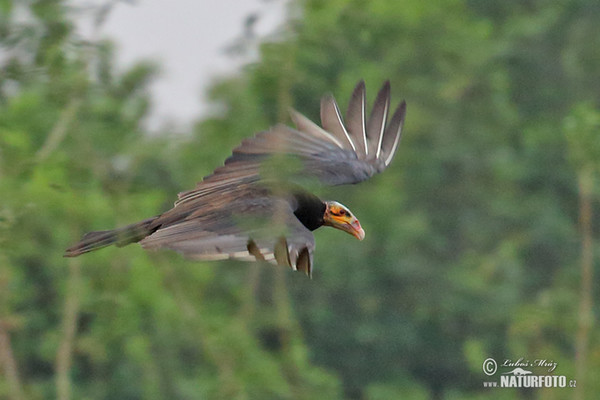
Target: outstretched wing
230	214
237	212
337	153
243	224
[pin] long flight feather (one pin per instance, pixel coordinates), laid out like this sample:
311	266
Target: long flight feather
392	134
331	120
355	120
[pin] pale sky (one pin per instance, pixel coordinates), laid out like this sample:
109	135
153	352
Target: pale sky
187	38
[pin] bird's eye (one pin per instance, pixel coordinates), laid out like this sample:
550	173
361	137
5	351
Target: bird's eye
342	212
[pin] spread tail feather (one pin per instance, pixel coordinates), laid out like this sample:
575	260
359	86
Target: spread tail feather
119	237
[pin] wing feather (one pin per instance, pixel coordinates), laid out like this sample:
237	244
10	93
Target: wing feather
331	119
377	120
355	117
306	125
392	135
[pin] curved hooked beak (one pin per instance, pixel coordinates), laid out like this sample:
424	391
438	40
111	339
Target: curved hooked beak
346	223
355	229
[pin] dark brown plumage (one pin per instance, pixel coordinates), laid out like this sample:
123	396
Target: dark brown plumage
250	209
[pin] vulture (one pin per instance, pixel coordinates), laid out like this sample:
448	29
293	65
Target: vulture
255	206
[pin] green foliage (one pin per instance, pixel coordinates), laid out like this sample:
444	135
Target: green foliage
582	126
472	243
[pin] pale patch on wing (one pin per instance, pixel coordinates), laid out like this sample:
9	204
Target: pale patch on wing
209	234
306	125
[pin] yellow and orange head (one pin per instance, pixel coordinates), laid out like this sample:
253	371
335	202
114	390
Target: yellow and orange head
339	216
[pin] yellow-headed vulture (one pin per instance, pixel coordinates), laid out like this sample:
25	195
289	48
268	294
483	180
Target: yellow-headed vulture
244	211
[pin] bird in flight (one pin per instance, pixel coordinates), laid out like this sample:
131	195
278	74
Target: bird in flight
254	206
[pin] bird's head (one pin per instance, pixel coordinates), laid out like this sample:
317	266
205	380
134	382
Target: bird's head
340	217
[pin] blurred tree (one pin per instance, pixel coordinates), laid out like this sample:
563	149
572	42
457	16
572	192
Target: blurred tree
582	127
75	157
472	240
474	227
